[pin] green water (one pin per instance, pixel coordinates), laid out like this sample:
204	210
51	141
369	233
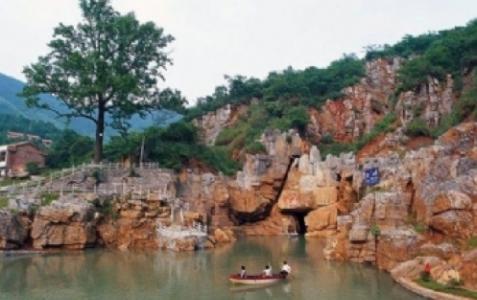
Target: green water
102	274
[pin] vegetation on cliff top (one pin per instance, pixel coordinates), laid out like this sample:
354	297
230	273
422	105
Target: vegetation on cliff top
173	147
437	54
309	87
280	101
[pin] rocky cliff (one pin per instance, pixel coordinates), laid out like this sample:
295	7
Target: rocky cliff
424	204
361	105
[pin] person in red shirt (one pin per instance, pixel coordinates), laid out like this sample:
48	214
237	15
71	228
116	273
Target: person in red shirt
426	273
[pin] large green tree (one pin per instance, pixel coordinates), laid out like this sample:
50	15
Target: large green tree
107	64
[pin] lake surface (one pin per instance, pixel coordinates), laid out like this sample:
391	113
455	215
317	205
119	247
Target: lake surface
103	274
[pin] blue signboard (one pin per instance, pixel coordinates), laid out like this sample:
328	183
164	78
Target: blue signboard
371	176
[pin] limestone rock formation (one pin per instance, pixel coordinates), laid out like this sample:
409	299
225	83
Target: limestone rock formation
13	230
64	225
424	204
258	186
362	105
432	101
214	122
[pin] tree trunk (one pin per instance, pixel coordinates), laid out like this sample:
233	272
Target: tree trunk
98	149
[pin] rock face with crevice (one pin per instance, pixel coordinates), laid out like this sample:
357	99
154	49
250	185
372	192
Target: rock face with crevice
361	106
257	187
423	209
212	123
13	230
68	225
423	204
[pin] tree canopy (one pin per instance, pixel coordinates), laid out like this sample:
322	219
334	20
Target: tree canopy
107	64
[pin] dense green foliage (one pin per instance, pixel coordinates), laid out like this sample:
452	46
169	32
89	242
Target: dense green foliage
260	116
33	168
107	64
173	147
437	54
17	123
311	86
11	103
69	149
417	127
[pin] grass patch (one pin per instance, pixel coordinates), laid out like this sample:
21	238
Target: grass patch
454	290
3	202
375	230
256	148
418	127
472	242
47	198
420	228
10	181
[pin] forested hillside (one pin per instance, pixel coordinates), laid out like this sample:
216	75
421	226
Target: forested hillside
11	103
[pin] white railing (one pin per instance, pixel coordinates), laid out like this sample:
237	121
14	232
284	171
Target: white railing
180	232
35	185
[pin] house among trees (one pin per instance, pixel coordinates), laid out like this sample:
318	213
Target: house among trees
21	136
15	159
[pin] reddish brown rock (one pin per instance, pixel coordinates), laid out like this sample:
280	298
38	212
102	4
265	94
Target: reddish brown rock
443	250
468	269
362	105
395	247
248	205
453	223
223	236
321	220
412	269
13	230
451	200
276	224
64	225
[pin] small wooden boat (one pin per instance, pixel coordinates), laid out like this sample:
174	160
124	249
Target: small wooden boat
256	279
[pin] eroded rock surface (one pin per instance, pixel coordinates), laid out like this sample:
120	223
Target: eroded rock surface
70	225
13	230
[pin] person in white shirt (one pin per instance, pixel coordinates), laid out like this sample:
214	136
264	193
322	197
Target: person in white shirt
286	269
243	272
268	271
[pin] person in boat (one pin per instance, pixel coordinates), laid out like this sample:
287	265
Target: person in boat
286	269
243	272
267	272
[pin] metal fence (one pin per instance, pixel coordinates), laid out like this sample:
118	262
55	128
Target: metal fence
67	180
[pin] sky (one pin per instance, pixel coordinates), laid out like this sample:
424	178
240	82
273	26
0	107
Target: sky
247	37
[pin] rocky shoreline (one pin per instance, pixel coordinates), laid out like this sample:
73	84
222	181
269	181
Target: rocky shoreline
422	206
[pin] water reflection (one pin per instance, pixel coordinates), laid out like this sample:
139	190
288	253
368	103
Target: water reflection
101	274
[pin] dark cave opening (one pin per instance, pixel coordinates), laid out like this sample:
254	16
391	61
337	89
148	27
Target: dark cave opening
300	226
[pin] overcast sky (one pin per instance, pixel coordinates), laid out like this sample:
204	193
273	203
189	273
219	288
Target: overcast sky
248	37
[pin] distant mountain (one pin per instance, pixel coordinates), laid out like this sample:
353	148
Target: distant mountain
11	103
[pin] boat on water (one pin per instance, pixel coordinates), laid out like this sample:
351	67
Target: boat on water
256	279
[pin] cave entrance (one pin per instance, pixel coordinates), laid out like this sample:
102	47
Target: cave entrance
299	227
300	222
